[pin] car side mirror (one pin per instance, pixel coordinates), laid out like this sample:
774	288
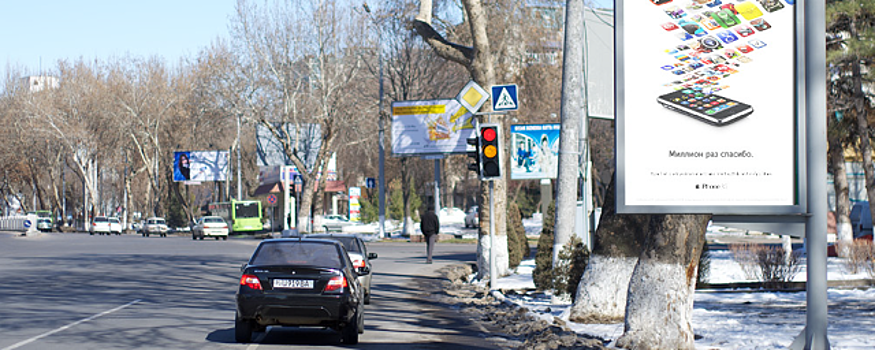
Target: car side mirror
363	271
372	256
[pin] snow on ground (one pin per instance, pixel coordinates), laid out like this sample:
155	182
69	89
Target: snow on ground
733	319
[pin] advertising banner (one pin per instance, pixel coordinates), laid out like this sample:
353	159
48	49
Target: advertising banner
198	166
707	107
430	127
355	206
534	151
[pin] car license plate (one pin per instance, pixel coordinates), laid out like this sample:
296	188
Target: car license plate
293	284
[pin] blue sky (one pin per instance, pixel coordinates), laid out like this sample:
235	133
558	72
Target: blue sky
35	34
35	31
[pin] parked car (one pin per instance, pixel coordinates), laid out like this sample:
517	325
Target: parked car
44	224
861	220
472	219
335	222
115	226
451	216
155	226
210	226
358	254
100	225
300	282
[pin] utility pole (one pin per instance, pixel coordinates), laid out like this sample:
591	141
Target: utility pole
382	177
239	180
572	113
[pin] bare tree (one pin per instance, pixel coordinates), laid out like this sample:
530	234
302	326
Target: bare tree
298	56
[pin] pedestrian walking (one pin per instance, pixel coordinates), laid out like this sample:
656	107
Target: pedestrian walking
430	226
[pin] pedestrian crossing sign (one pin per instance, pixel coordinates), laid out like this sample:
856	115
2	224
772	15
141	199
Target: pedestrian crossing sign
504	98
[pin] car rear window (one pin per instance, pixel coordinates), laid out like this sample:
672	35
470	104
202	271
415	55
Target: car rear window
348	242
297	253
100	219
214	220
113	220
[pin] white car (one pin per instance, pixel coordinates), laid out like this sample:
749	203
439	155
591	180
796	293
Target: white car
335	222
210	226
473	217
155	226
105	225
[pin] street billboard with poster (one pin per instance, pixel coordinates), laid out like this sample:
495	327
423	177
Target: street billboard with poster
199	166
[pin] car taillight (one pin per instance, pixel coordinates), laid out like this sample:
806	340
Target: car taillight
335	285
250	281
357	263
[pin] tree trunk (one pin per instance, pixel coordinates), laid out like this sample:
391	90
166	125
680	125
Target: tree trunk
617	243
407	222
307	192
660	301
844	231
479	62
572	111
863	132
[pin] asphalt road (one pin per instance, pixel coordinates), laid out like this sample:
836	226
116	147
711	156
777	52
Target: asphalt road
75	291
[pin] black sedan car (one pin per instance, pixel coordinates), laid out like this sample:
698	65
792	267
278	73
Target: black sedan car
302	283
358	253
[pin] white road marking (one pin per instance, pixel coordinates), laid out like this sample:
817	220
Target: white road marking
46	334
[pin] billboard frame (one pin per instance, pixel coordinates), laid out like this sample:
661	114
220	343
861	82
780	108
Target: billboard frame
800	150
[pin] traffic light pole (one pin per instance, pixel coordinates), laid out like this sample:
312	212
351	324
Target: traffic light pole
492	236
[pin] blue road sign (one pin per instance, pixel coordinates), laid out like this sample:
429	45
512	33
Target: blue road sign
504	98
370	183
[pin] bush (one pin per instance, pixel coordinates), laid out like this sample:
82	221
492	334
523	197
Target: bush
769	264
517	245
572	261
542	275
861	256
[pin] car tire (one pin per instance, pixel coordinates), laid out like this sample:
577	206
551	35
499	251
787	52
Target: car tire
224	238
325	228
146	234
368	299
193	237
217	238
201	237
350	333
91	233
242	330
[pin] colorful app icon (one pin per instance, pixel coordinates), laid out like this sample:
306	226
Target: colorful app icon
790	2
660	2
744	48
771	5
709	23
692	28
667	67
695	65
744	59
684	36
727	37
669	26
730	7
748	10
725	18
709	43
760	24
731	53
759	44
744	31
675	12
714	4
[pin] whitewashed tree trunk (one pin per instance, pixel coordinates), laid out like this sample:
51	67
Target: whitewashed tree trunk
835	154
601	294
659	306
501	258
617	243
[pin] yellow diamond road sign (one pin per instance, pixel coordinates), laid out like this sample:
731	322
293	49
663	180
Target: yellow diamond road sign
472	96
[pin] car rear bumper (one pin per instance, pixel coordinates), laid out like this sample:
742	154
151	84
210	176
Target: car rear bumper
215	232
323	311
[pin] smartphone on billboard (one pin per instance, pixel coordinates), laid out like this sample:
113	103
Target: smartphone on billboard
710	108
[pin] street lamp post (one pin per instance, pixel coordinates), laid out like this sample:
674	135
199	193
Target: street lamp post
382	181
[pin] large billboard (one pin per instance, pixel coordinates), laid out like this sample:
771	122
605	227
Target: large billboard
430	127
198	166
707	118
534	151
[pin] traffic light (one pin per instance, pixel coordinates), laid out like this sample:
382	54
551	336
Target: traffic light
490	151
474	153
